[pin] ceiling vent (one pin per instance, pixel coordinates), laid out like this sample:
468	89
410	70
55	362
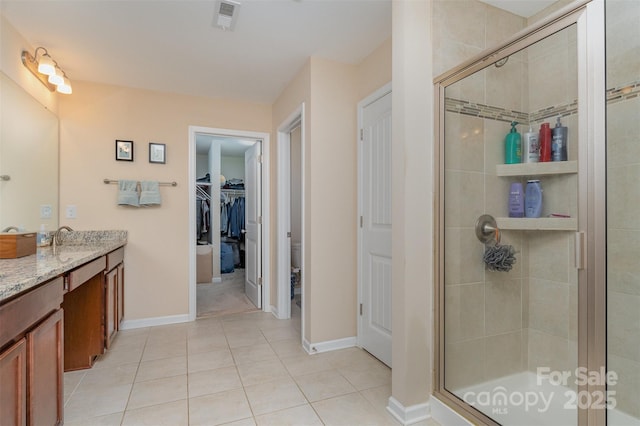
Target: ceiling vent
226	14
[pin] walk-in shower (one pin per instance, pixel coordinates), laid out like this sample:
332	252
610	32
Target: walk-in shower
554	338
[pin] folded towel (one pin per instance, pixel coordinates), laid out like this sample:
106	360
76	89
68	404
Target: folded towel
128	194
150	193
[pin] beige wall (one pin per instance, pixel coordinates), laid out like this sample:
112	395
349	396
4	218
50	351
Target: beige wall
375	70
332	195
11	46
157	259
296	93
412	211
331	90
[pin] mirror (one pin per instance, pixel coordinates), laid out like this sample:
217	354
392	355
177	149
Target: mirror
28	160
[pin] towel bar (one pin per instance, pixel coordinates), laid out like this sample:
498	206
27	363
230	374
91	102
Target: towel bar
174	183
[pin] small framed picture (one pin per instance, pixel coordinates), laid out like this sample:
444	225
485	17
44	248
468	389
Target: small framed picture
124	150
157	153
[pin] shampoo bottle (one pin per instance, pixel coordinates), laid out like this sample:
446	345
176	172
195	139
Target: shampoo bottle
545	142
513	146
559	142
516	200
530	147
533	199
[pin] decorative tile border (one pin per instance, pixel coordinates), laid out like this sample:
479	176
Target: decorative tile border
485	111
614	95
619	94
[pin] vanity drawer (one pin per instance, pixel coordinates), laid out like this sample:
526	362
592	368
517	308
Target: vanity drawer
115	258
79	276
21	313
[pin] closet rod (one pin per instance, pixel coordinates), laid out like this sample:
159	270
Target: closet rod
174	183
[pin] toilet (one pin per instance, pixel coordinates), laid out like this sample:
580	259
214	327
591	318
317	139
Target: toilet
296	266
296	257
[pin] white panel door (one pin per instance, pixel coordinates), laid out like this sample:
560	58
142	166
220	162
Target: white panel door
375	249
253	226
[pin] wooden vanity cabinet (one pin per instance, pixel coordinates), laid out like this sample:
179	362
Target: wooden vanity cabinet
13	376
114	294
31	357
45	371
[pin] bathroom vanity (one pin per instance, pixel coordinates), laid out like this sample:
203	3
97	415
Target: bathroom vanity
59	310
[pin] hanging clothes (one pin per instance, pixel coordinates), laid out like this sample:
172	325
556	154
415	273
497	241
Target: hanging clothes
224	218
235	222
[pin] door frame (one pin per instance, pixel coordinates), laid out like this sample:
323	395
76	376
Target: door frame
295	119
245	134
373	97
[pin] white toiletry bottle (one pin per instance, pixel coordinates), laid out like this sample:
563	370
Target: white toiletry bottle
42	239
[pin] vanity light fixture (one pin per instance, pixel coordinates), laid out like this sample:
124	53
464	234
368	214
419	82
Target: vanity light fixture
47	70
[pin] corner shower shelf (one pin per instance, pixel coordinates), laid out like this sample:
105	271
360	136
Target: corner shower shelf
538	224
537	169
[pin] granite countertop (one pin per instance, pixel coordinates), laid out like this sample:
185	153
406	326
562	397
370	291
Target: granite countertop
77	248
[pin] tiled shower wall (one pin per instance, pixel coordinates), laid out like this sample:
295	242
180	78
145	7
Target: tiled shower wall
623	195
501	323
483	310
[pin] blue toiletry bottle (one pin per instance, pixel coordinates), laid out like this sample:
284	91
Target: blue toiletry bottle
513	146
533	199
516	200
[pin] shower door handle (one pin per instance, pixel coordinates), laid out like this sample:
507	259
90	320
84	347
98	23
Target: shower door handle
580	250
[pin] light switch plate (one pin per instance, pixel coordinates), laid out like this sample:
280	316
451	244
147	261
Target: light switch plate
45	211
71	211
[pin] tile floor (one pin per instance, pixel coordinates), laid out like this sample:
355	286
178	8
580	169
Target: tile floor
241	369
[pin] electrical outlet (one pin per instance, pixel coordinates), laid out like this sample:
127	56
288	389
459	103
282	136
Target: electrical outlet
45	211
71	211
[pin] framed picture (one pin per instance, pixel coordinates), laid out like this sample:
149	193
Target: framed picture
124	150
157	153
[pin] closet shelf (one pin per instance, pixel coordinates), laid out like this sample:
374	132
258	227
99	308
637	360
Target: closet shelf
537	169
538	224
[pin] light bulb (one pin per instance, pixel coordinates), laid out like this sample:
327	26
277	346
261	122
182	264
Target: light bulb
65	87
56	79
46	65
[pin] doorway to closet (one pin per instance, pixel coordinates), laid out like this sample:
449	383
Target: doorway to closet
227	217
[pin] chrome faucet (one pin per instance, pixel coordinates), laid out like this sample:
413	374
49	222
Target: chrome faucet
57	236
11	228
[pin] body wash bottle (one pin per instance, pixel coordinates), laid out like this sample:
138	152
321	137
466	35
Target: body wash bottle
516	200
533	199
513	146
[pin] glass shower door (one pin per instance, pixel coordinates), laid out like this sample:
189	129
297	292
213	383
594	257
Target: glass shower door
510	334
623	201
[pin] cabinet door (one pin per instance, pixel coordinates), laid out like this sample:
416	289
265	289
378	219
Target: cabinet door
120	295
45	371
13	391
110	308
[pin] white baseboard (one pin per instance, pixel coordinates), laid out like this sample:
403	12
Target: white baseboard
329	345
445	415
150	322
409	415
217	280
274	311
